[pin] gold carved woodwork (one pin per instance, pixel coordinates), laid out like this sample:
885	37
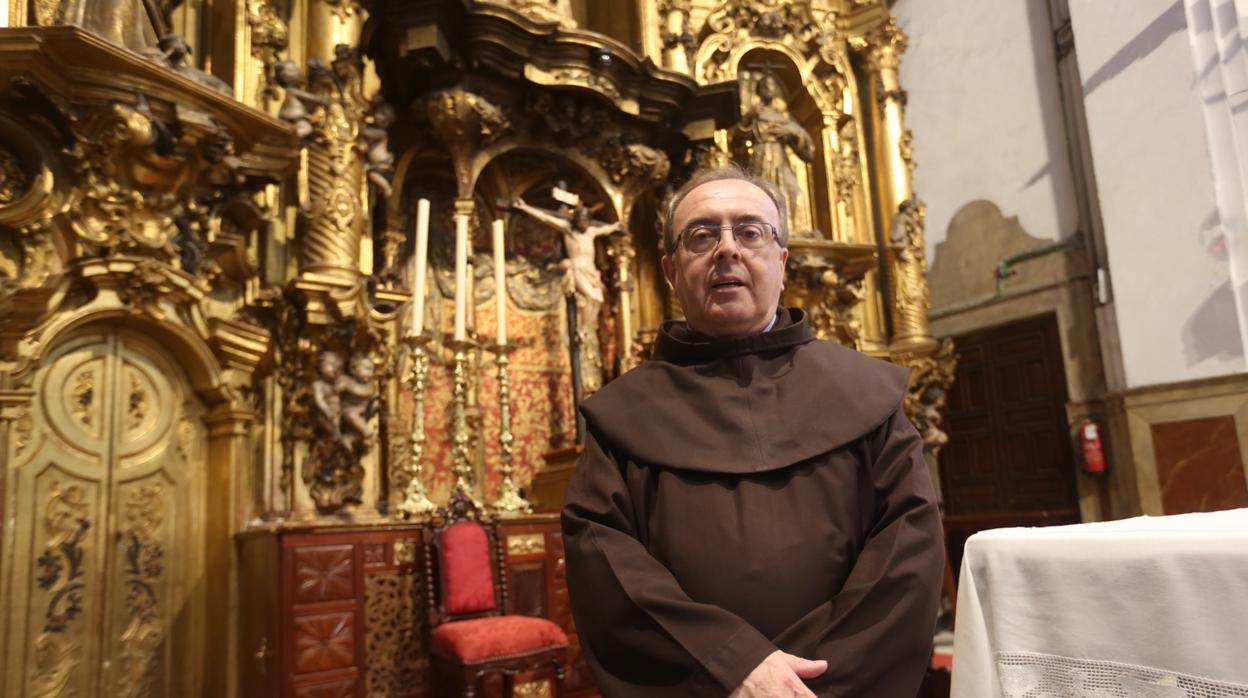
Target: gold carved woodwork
334	109
270	36
526	543
331	378
827	280
533	689
815	44
13	179
404	552
676	35
121	588
465	122
557	11
931	376
911	300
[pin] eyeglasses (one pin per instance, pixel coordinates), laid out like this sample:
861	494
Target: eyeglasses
749	235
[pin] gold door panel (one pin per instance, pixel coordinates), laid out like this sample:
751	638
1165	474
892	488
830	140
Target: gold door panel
104	579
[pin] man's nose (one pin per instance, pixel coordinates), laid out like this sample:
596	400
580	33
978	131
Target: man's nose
727	247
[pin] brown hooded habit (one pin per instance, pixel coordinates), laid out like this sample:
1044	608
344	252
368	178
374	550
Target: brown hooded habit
739	496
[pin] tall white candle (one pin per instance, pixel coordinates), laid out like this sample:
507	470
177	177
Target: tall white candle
470	295
461	276
420	262
500	281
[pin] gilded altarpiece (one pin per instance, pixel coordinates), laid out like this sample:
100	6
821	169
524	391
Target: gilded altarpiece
207	254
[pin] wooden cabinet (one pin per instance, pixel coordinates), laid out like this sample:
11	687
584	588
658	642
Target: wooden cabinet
338	613
331	613
537	585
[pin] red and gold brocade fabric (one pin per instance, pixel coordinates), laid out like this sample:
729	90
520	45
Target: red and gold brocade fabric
495	637
542	417
467	573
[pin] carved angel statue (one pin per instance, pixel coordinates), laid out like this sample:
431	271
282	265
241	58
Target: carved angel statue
358	396
374	136
325	393
176	53
298	104
344	405
765	136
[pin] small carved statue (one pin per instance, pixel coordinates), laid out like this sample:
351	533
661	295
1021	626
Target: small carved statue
298	104
375	144
177	52
325	393
358	398
342	434
765	136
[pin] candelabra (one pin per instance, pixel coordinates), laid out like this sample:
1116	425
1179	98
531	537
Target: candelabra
416	501
461	436
509	500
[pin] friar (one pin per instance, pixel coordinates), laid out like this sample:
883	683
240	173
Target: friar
752	514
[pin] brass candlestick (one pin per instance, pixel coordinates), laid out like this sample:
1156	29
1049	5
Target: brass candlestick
509	501
462	439
416	503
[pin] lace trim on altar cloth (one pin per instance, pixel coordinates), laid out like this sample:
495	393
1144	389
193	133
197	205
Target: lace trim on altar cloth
1033	675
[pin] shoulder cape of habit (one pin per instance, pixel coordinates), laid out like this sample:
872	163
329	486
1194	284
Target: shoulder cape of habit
746	405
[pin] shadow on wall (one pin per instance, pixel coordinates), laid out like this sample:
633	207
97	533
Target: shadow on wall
1155	34
1212	331
963	266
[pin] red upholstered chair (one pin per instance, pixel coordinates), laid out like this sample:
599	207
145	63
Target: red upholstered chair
469	636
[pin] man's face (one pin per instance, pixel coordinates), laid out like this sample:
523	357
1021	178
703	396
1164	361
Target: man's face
729	291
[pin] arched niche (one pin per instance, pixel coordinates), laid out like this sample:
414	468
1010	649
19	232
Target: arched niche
809	203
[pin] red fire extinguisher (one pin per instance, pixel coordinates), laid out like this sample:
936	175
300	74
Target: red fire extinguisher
1091	447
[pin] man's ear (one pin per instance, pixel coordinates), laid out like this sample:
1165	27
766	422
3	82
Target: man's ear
784	265
669	269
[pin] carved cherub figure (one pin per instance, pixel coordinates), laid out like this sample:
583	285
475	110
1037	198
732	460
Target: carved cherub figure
176	52
358	395
298	104
375	134
325	392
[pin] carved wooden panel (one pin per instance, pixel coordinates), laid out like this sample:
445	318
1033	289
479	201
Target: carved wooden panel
527	584
340	689
1009	446
351	609
324	573
350	614
108	525
324	641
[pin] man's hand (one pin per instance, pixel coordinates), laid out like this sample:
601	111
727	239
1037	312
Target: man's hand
780	676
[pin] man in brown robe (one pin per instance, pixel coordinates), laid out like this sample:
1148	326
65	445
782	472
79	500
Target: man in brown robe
752	514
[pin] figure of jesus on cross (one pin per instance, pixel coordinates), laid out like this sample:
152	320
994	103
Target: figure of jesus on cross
582	282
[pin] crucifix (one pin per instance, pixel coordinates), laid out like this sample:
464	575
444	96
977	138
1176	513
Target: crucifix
582	285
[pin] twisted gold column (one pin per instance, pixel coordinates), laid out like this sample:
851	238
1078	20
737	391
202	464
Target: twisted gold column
901	212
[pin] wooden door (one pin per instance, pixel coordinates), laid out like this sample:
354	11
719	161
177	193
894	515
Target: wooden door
1009	460
103	570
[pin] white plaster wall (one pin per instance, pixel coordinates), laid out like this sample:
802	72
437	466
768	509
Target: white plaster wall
986	113
1174	305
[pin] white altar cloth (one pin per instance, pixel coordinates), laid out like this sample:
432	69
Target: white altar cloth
1149	606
